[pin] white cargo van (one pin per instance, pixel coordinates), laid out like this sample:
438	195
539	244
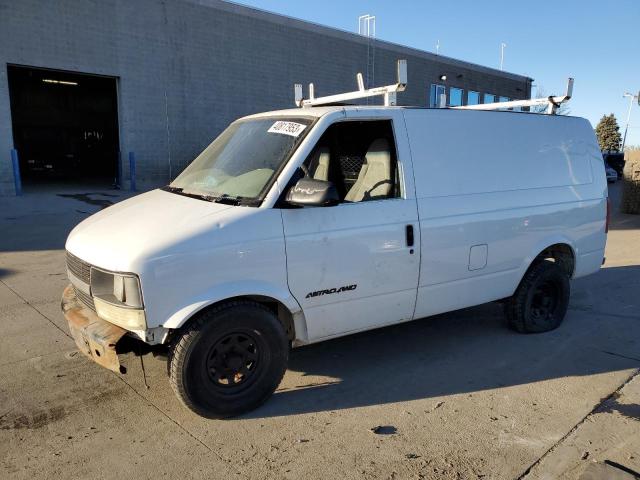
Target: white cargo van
302	225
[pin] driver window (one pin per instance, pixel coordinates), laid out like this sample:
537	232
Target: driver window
359	158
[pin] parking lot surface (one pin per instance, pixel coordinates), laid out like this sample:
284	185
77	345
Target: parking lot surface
454	396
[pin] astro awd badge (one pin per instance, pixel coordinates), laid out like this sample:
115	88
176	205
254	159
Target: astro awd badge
331	290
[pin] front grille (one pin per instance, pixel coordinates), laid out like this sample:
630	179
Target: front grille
85	299
82	270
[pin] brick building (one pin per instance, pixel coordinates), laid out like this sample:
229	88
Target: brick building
84	83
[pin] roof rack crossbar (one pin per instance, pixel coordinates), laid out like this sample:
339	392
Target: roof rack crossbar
553	103
388	92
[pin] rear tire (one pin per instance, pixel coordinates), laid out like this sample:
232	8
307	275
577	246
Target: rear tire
541	300
229	359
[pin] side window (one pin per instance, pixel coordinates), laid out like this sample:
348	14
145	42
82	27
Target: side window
359	158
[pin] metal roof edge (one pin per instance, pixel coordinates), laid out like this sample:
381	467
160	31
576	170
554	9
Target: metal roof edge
280	19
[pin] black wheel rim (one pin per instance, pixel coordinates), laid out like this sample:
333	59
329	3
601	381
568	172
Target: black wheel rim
234	361
544	302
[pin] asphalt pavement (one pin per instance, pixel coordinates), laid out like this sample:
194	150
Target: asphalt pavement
454	396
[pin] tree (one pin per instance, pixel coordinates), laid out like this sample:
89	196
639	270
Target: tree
608	133
563	109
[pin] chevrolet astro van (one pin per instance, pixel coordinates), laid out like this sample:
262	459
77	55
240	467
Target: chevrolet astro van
301	225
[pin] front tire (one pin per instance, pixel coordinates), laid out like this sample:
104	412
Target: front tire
229	360
541	300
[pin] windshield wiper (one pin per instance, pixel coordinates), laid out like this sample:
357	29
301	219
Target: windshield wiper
180	191
228	199
171	189
224	198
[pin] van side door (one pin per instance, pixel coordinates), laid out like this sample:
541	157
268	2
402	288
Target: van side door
355	265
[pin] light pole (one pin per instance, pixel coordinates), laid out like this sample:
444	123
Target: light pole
631	97
502	45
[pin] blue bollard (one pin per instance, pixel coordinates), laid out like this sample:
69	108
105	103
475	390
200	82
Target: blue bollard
132	170
16	172
119	171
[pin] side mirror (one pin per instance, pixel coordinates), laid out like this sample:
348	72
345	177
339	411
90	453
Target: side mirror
308	192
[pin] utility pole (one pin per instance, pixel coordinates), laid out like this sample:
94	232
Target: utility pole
632	97
502	45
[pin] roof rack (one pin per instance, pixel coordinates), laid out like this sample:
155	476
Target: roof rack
389	94
553	103
389	91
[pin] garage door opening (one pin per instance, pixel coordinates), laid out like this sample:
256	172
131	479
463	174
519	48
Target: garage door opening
65	127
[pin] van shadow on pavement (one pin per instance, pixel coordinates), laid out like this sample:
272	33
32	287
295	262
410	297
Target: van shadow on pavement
466	351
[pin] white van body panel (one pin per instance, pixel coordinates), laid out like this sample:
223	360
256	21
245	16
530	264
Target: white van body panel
187	252
359	245
515	183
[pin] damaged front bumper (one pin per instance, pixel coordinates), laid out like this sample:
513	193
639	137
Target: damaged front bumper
96	338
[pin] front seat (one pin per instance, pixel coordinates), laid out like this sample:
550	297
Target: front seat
374	180
322	170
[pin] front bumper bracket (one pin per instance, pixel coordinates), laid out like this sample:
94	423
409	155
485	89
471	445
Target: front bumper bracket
96	338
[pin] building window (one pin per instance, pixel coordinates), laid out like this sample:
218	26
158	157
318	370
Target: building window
434	96
455	96
489	98
473	98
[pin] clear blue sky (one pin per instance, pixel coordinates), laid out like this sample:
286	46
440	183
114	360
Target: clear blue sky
595	41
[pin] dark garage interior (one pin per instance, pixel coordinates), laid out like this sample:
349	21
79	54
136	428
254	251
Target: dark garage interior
65	126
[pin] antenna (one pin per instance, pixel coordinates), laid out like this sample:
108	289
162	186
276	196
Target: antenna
502	47
388	92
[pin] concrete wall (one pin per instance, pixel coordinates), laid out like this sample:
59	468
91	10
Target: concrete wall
187	68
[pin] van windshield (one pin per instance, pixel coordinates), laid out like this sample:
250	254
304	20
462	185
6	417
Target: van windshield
241	162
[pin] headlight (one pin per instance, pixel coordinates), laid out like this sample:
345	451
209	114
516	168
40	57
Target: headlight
118	299
125	317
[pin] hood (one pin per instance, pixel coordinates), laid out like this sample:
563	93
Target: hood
119	237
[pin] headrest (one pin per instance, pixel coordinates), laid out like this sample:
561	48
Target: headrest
378	151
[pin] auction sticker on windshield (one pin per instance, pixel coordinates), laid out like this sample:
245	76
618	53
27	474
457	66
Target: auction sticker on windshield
287	128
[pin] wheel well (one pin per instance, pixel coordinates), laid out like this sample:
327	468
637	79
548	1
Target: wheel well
562	254
278	308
